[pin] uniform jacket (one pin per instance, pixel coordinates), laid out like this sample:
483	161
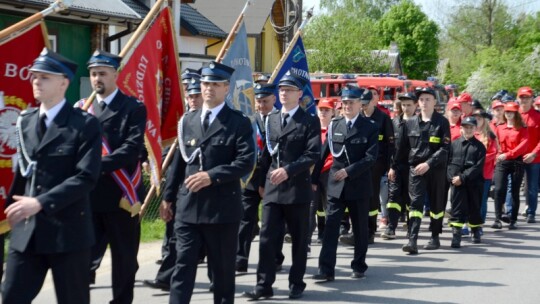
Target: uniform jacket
424	142
123	123
386	136
255	180
68	164
361	144
227	155
299	149
466	160
397	124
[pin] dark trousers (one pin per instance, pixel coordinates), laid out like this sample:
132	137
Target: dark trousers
465	201
169	233
26	271
398	197
218	240
168	252
377	172
296	218
317	208
515	169
434	184
123	234
251	201
358	212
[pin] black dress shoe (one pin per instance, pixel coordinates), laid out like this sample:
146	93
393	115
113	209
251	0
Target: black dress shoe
257	294
295	294
358	275
323	277
157	284
505	218
240	268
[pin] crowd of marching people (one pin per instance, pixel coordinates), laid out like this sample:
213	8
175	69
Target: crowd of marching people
356	167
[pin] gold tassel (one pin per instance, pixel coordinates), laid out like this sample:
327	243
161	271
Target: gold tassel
133	210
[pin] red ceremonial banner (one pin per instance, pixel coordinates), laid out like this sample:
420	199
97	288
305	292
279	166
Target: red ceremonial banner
16	57
152	75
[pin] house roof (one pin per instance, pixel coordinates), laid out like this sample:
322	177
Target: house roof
139	7
225	12
197	24
109	8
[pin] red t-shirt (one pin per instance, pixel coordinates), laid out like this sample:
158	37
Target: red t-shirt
512	142
532	119
491	155
455	131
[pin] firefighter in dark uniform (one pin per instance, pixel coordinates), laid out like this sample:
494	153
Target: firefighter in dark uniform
424	148
386	151
115	212
465	169
48	207
216	151
293	146
264	101
353	142
166	268
398	177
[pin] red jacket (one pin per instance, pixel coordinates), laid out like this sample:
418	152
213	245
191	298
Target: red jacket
532	119
491	155
512	142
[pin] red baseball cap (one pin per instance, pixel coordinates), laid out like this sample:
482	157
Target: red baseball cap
511	107
454	104
525	91
497	103
465	97
327	103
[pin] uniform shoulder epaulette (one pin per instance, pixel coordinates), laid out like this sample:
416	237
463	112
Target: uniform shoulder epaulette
337	118
29	111
238	112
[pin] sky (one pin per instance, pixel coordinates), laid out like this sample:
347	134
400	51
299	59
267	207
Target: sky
432	8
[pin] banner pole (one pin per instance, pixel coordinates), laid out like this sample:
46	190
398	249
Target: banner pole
290	46
131	42
232	33
170	154
57	6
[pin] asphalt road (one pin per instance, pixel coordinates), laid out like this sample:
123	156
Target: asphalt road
504	268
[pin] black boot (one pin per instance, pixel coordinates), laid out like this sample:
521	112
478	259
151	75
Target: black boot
411	247
476	235
434	242
456	237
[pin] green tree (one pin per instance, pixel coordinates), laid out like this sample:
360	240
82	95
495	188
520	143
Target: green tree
341	42
415	35
371	9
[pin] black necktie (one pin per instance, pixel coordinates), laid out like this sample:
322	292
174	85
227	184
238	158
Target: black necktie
285	116
100	108
264	119
41	127
206	121
349	125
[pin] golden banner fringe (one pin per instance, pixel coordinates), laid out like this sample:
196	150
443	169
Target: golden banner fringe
4	226
133	210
